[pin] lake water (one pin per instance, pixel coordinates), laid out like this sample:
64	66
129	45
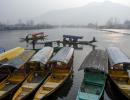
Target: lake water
10	39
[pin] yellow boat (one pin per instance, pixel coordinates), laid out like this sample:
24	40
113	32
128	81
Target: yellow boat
61	69
9	85
10	54
42	69
119	72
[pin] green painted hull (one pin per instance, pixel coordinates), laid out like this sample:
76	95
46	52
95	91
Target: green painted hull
92	86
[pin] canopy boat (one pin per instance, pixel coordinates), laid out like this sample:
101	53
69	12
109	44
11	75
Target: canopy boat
119	71
9	85
4	57
95	68
35	36
42	69
61	69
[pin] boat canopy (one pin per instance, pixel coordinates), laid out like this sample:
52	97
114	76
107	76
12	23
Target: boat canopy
72	36
11	53
43	55
20	60
97	60
116	56
64	55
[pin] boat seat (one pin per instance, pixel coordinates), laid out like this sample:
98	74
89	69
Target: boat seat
44	92
125	87
39	96
2	92
87	96
51	84
119	76
95	79
16	79
30	85
60	74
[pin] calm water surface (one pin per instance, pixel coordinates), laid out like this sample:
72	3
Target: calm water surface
10	39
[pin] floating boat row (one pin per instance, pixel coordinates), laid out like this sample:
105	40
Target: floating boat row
96	66
35	73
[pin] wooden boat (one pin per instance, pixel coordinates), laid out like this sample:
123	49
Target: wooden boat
34	36
9	85
10	54
95	68
61	69
39	63
119	71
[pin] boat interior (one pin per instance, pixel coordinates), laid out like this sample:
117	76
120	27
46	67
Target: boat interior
37	75
12	81
93	83
59	74
120	74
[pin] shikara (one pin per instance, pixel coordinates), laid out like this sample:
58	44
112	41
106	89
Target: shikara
61	69
40	70
95	67
6	56
9	85
119	71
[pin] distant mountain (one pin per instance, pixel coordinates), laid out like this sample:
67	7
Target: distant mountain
93	12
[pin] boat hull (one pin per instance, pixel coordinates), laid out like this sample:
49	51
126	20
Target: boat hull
55	89
116	92
92	87
32	93
9	94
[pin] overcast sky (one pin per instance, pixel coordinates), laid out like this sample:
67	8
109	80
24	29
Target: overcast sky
19	9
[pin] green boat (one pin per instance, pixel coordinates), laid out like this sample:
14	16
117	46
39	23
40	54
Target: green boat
95	68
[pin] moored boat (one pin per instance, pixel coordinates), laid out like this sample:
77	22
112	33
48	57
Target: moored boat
6	56
95	67
9	85
119	71
41	69
61	69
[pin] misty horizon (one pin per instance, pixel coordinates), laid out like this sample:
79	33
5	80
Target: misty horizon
9	18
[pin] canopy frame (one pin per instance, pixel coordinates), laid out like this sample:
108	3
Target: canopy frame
116	56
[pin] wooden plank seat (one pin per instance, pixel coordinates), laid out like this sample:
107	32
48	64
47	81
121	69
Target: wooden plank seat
119	76
60	74
29	85
51	84
125	87
39	96
2	92
16	78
